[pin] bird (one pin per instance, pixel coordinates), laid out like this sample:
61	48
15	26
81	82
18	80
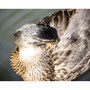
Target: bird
54	49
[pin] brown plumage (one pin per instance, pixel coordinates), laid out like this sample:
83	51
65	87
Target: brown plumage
59	20
55	58
31	60
73	51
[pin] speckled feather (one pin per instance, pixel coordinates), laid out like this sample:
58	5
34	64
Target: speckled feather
56	20
71	56
59	20
31	71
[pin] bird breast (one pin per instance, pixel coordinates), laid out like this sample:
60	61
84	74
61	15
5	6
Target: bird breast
29	53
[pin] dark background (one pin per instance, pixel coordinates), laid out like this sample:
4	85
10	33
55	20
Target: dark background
10	21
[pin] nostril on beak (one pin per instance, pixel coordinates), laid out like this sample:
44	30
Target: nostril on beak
17	34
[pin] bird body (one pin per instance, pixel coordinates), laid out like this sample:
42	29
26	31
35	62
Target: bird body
71	57
55	49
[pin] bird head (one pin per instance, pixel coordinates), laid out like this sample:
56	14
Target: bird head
35	35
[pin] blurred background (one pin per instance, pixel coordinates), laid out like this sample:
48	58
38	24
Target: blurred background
10	21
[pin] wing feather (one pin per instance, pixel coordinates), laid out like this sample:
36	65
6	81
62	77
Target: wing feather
73	50
59	20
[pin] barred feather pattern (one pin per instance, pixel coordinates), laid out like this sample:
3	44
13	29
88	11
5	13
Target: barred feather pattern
59	20
37	71
18	66
71	56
